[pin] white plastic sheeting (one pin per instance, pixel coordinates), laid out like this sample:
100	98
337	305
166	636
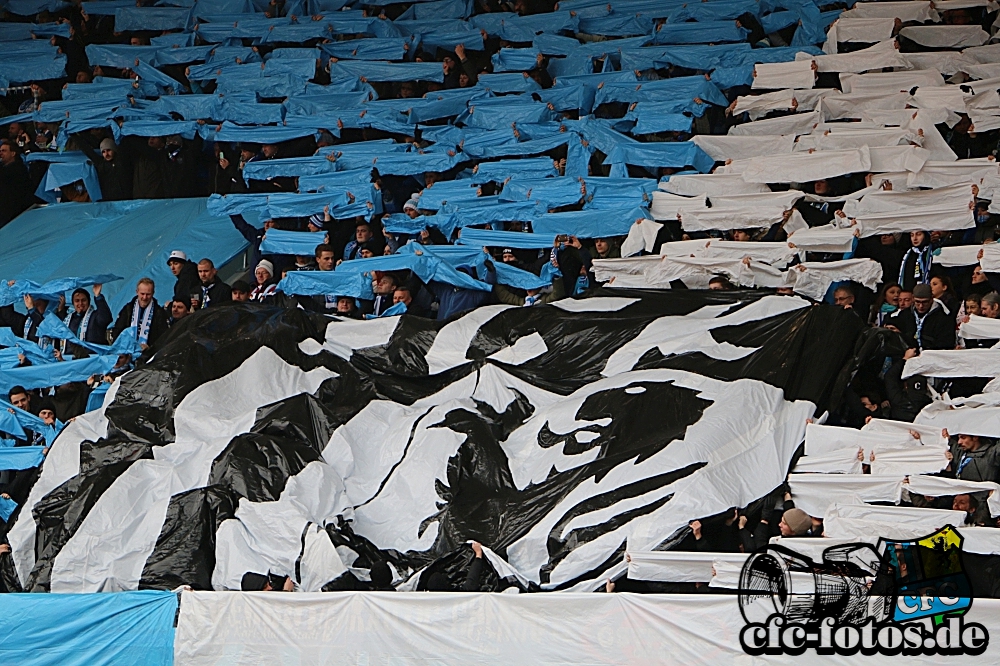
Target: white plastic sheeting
990	262
954	197
881	55
846	520
452	629
813	278
773	253
889	82
779	75
751	217
731	147
979	328
61	464
691	185
954	363
865	30
799	123
815	493
916	219
641	235
825	238
939	486
806	167
946	36
906	10
677	566
119	533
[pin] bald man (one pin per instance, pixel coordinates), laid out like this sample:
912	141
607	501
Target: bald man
212	291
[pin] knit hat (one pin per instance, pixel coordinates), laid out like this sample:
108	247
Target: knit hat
266	265
108	144
317	220
410	203
798	520
922	291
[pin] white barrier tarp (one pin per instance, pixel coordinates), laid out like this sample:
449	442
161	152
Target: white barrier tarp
677	566
807	167
458	629
779	75
855	106
830	140
946	36
814	493
954	363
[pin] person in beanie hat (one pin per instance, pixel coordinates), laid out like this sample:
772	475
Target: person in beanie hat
924	325
186	272
266	282
410	208
114	171
794	522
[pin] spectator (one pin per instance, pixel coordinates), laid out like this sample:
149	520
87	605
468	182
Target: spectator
178	310
720	283
88	322
266	282
15	185
347	308
886	303
143	313
186	272
211	291
114	171
362	234
916	265
973	458
943	291
381	577
240	291
925	325
384	286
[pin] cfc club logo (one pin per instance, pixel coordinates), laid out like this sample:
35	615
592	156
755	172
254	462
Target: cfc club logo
901	597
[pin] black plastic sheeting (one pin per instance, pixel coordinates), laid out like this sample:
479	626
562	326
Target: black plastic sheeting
808	352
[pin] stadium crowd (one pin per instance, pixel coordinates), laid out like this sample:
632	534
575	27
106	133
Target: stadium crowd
531	137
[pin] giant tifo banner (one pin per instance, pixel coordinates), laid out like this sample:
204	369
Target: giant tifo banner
263	440
576	441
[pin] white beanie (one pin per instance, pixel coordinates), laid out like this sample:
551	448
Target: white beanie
267	266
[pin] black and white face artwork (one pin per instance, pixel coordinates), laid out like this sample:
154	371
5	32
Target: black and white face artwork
269	440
